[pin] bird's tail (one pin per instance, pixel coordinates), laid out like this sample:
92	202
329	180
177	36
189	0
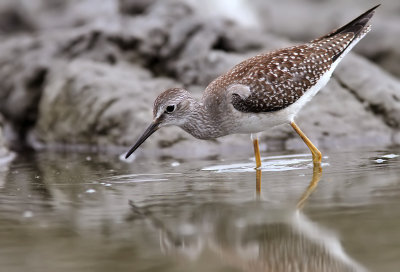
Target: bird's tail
356	26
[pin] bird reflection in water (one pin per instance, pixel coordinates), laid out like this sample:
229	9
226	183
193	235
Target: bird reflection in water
255	236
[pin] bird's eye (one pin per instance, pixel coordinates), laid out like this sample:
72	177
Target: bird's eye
170	108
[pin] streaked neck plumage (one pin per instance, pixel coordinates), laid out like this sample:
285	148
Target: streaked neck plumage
204	120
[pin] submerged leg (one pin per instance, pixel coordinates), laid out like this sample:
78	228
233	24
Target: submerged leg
316	154
254	137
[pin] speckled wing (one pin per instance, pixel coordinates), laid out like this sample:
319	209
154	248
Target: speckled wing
285	75
278	79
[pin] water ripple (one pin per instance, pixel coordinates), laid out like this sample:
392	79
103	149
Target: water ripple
269	164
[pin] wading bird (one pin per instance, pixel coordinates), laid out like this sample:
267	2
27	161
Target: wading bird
261	92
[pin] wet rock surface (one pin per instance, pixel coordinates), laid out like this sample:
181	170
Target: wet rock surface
5	154
88	79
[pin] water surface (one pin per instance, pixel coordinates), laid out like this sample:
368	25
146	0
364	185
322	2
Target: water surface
80	212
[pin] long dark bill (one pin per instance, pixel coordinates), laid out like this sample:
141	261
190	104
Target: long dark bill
150	130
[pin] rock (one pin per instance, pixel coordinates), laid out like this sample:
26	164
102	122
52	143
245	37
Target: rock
373	87
89	103
93	84
23	69
25	62
6	155
53	16
13	18
134	7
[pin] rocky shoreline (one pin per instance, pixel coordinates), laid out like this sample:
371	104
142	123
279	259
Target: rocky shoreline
89	81
5	154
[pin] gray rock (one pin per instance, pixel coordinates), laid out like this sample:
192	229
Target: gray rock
92	85
373	87
22	70
134	7
13	18
25	62
91	103
6	155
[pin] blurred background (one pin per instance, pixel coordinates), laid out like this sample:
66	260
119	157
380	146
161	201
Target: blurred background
83	74
79	77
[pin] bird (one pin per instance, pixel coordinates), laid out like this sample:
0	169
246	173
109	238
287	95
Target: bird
261	92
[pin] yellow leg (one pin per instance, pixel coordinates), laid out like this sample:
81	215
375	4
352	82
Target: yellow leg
315	152
257	153
317	173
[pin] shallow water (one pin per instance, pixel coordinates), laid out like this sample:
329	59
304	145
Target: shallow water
62	212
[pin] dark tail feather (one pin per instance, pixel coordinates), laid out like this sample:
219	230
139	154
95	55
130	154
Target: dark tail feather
355	26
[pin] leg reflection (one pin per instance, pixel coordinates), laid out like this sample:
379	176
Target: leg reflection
258	183
317	173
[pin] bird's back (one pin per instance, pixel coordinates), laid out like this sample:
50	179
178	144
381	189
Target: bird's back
277	79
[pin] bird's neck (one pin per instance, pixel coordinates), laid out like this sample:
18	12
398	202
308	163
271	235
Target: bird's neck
202	123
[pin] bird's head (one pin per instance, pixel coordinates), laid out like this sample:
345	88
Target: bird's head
171	107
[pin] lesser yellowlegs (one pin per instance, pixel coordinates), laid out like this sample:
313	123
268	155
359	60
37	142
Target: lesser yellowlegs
261	92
